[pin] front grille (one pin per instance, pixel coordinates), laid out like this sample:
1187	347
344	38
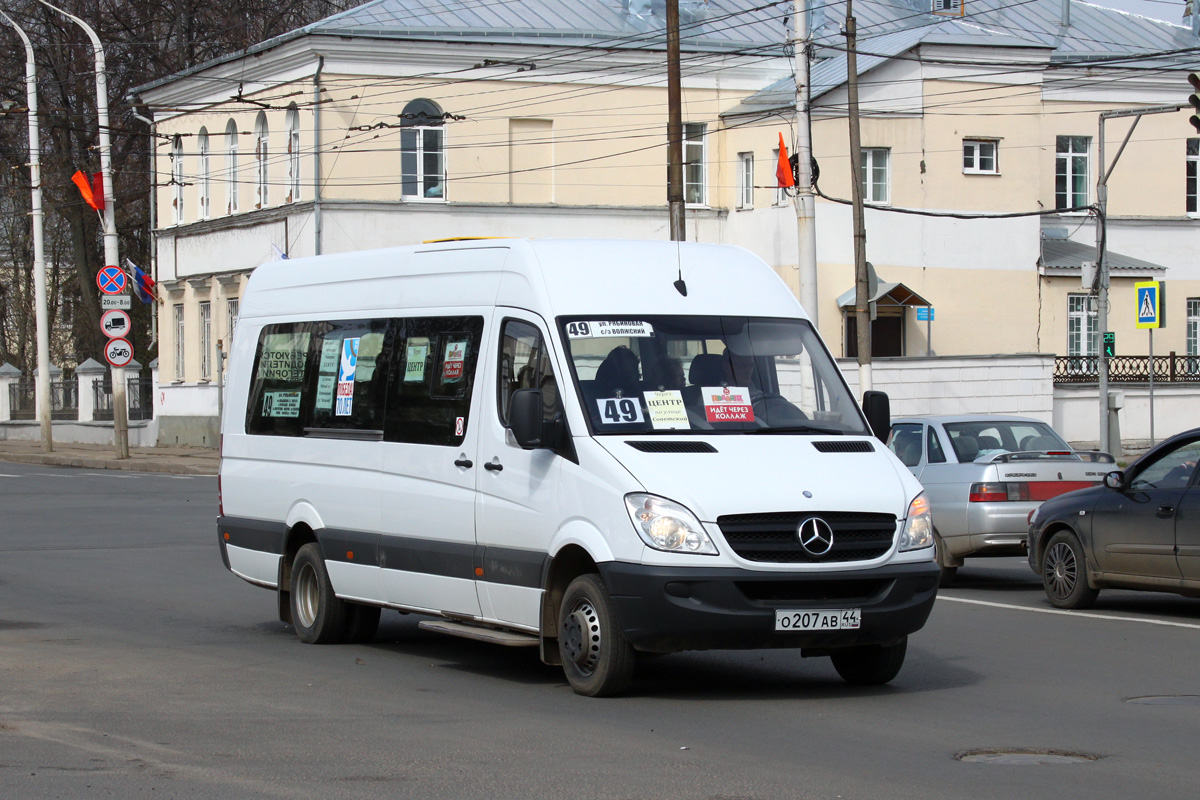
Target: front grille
785	593
771	537
845	446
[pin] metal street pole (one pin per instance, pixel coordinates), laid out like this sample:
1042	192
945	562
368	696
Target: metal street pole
806	206
862	294
674	126
39	249
111	255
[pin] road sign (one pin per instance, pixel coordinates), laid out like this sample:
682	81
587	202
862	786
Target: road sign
119	352
1149	304
1110	344
112	280
111	301
115	324
924	313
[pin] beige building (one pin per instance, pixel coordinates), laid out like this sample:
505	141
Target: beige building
392	124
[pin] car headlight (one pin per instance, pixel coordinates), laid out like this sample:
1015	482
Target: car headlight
666	525
918	527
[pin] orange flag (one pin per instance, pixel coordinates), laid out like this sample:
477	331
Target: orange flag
783	172
85	189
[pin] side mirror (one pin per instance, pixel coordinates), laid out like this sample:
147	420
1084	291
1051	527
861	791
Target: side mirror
878	409
525	418
1115	480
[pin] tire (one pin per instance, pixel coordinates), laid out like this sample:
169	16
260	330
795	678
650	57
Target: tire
319	616
596	658
870	664
947	575
1064	573
361	622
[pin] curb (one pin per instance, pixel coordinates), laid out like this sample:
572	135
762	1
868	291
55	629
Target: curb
127	465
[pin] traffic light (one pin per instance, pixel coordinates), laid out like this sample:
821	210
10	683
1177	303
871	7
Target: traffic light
1194	99
1110	344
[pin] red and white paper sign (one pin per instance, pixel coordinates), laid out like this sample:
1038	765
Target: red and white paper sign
452	365
727	404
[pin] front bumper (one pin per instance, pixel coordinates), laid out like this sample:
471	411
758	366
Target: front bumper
667	609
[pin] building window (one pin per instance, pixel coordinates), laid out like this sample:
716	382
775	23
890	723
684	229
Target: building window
1082	339
1193	335
1071	172
177	180
293	128
695	179
205	341
261	140
1193	162
231	317
231	168
979	157
179	341
746	180
422	151
875	175
205	176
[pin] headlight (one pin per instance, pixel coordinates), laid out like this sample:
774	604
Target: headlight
918	528
666	525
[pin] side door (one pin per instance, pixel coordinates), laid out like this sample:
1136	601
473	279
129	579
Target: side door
519	490
1133	531
1187	519
946	486
427	484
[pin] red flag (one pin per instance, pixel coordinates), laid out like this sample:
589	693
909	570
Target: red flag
85	189
98	191
783	172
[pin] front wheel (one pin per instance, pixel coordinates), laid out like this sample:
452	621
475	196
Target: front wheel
870	664
319	616
596	658
1064	573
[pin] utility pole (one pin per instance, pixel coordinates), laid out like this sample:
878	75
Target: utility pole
111	254
805	200
862	299
1102	276
39	249
674	126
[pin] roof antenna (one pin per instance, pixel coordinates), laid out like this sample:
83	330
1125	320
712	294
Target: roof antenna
680	286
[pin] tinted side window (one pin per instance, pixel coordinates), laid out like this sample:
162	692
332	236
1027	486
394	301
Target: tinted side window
350	382
281	366
1172	470
525	364
936	454
430	390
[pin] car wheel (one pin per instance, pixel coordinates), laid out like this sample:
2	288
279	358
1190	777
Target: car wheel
596	658
871	664
1064	572
319	616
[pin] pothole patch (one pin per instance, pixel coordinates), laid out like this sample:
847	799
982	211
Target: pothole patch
1024	757
1166	700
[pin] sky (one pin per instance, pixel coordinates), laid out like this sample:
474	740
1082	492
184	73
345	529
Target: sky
1167	10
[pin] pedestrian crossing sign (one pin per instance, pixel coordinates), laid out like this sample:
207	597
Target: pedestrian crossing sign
1149	304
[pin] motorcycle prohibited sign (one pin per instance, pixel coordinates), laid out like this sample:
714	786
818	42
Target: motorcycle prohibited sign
119	352
115	324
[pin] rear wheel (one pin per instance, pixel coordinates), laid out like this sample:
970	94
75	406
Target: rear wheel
870	664
596	658
319	616
1064	573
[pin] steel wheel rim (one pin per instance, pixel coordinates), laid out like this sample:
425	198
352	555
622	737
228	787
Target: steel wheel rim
307	594
581	636
1062	570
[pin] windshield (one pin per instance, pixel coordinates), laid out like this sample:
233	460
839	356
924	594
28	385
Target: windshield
971	440
673	374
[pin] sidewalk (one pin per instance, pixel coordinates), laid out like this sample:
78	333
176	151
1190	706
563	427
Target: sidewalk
174	460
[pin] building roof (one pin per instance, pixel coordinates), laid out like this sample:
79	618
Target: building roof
1064	254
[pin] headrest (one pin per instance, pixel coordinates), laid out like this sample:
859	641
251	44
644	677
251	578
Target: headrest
709	369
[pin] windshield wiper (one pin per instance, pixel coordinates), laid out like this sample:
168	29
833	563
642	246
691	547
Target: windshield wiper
796	429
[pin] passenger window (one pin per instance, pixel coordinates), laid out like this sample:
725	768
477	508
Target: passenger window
277	390
906	443
351	375
935	455
525	364
430	396
1172	470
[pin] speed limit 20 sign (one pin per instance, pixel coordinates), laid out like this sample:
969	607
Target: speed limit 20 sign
119	352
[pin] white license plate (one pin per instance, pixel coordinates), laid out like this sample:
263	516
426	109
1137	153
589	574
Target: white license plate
828	619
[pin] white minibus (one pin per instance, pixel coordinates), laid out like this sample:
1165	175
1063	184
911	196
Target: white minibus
596	448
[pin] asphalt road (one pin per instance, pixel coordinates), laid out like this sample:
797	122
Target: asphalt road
133	665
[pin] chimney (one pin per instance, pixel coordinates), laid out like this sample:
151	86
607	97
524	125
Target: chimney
1190	18
1066	13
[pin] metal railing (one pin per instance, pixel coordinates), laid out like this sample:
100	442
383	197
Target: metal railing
64	399
139	396
1170	368
22	400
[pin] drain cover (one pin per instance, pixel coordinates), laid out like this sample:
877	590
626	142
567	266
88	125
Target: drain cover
1021	756
1166	700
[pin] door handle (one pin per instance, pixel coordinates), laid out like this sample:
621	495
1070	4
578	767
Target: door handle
493	466
465	463
1165	511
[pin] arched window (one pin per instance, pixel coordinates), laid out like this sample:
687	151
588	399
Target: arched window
293	129
261	136
422	151
205	176
177	179
231	168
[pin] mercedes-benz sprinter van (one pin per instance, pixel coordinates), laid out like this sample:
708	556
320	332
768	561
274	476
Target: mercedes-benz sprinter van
595	448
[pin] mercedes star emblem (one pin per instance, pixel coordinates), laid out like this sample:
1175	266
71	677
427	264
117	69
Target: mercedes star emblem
815	535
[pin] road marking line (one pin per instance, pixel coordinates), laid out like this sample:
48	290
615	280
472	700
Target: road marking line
1071	613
